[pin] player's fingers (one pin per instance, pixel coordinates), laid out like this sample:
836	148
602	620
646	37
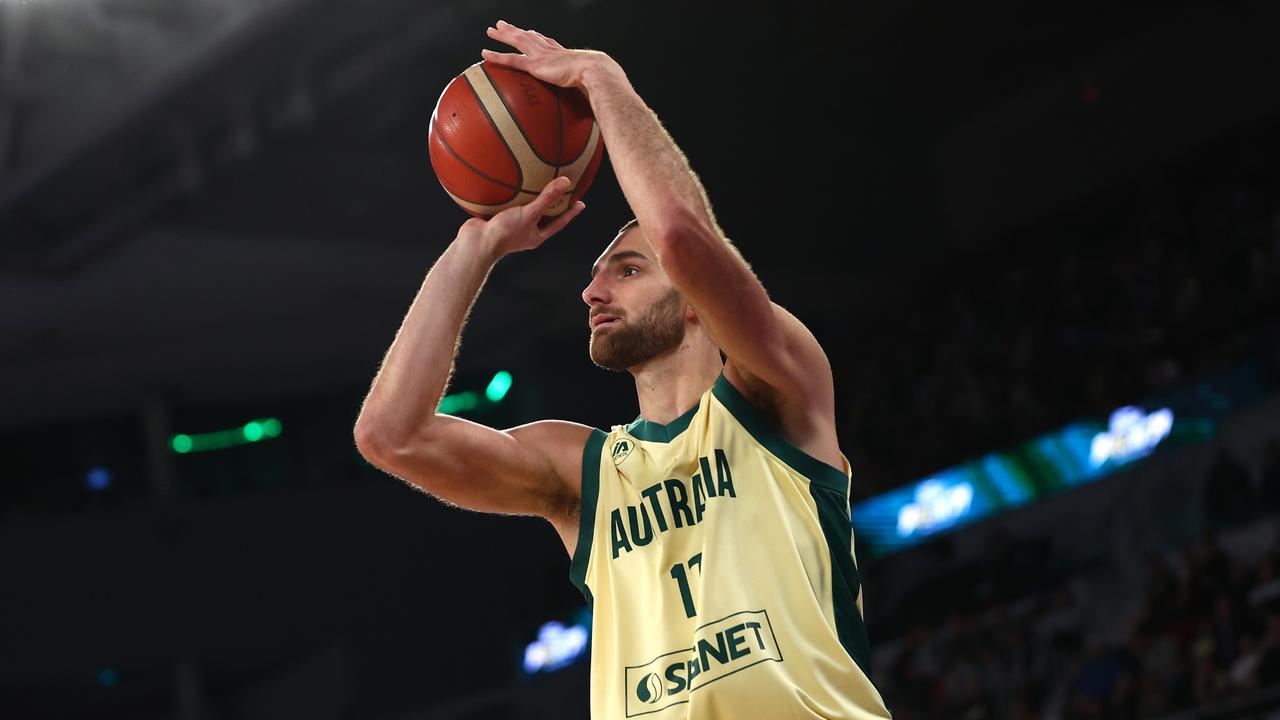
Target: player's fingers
515	60
512	35
546	40
549	194
502	36
565	218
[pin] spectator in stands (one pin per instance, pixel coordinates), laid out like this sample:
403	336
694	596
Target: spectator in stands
1161	588
1094	684
1208	682
1208	571
1013	344
1268	670
1224	630
1265	594
1004	662
1060	622
1162	664
1229	494
1243	674
1269	493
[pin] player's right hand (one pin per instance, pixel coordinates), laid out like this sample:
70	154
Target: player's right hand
519	228
544	58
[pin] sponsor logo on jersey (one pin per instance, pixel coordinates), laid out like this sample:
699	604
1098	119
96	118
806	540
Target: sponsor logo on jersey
674	502
720	649
621	450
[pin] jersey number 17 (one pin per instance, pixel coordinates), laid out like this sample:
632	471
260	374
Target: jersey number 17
681	576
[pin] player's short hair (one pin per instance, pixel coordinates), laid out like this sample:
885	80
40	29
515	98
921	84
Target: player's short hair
633	222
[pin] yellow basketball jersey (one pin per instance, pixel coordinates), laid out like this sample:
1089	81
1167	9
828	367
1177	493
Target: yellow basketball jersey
718	561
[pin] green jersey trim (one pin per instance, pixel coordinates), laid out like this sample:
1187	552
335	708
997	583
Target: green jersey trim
650	431
587	514
846	583
818	472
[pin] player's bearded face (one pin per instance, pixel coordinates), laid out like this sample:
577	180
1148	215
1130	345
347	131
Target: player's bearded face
634	341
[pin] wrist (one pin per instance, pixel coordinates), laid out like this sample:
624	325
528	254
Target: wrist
475	241
604	71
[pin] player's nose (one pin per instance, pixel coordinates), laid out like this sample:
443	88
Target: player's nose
596	292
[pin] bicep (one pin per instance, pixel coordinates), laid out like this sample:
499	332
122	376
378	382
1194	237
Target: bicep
526	470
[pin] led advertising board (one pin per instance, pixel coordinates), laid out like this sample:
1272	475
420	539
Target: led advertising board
1076	454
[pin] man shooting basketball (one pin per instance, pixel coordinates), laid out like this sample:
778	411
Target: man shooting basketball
711	536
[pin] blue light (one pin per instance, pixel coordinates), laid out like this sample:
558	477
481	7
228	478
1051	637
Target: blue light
1074	455
107	677
1077	454
938	504
98	479
556	647
1131	434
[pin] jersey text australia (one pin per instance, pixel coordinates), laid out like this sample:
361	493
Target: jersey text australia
718	561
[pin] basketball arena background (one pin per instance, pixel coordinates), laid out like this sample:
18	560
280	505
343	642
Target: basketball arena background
1041	246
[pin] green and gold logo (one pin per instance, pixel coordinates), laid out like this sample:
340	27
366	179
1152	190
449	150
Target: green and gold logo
621	450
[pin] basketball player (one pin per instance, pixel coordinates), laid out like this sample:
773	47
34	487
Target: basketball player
711	536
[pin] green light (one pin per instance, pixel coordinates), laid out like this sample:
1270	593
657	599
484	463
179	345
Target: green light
498	386
457	403
470	400
448	404
250	432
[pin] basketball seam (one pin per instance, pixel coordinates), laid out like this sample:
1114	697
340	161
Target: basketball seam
585	147
516	120
559	134
498	131
514	190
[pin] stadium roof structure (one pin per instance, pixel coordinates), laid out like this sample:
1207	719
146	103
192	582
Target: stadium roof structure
233	198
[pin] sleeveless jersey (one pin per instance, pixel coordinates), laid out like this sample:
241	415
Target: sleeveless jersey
718	561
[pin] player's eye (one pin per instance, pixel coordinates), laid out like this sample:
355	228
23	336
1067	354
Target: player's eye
629	268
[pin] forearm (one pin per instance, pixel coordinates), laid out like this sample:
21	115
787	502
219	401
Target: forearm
416	370
654	174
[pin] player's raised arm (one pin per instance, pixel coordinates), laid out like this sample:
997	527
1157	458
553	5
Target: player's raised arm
526	470
761	339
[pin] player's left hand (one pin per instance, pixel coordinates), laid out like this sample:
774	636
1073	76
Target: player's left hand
544	58
523	227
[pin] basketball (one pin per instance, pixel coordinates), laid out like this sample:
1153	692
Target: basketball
499	135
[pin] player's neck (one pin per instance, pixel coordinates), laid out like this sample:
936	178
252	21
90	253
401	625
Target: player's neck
669	385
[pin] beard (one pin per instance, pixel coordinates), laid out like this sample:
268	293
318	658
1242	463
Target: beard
658	330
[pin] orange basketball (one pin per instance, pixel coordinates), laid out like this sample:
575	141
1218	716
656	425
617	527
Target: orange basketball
499	135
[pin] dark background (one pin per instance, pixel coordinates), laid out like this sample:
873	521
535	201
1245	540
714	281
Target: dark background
997	219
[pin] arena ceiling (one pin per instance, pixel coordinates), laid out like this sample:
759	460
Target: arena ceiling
232	199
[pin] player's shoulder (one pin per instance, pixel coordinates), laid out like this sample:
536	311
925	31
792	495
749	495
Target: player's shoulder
814	397
804	418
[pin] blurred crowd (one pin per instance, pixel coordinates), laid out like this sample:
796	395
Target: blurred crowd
1014	639
1119	298
1232	496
